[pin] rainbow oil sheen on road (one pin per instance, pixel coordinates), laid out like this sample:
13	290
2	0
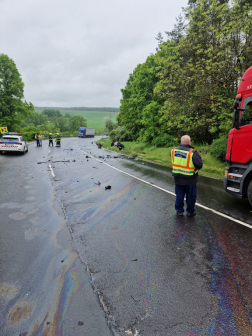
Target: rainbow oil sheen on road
227	253
119	261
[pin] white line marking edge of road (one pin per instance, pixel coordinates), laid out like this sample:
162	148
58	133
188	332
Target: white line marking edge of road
169	192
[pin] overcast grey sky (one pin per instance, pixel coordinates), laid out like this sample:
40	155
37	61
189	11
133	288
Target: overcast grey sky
81	52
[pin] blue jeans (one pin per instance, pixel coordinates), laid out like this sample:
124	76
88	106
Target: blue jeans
191	193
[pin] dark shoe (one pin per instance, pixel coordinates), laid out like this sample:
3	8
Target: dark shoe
180	213
191	214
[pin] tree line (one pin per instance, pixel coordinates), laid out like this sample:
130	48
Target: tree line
88	109
189	84
52	121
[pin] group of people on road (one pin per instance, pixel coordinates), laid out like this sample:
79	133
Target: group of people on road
38	138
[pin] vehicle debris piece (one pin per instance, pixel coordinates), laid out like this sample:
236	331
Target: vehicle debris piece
98	183
95	167
61	161
41	162
135	299
134	260
107	187
80	323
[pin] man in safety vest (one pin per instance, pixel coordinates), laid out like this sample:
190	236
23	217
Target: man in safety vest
37	139
185	163
50	139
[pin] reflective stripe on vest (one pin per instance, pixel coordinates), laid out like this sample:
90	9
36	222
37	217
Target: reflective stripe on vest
182	162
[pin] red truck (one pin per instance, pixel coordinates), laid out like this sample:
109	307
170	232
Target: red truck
238	175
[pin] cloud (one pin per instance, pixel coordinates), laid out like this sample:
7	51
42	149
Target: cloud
81	52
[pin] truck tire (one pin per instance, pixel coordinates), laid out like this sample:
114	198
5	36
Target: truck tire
249	192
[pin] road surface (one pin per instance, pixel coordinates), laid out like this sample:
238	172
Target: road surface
76	259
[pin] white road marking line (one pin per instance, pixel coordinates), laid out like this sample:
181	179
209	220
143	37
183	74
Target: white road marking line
171	193
53	175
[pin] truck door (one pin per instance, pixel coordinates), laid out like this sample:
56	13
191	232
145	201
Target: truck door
242	139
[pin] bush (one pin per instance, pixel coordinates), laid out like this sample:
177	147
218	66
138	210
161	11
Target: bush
219	147
29	132
120	134
165	141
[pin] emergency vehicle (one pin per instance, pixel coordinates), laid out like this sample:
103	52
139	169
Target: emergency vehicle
13	142
238	174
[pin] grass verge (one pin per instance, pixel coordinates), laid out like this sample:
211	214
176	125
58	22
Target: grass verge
211	166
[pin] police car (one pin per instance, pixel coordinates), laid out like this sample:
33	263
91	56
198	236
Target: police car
13	142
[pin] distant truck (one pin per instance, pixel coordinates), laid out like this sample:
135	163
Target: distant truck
85	132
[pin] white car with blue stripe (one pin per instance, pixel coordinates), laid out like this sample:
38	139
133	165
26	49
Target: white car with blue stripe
13	142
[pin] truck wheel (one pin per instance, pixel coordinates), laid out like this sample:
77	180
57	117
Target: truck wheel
249	192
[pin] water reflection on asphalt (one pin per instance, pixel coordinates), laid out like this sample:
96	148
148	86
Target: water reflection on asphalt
210	190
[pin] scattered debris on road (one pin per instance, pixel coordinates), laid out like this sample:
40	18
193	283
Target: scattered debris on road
107	187
135	299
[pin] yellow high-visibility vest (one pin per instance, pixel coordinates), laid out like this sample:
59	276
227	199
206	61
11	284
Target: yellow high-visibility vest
182	162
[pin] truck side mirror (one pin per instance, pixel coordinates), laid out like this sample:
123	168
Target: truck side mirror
236	122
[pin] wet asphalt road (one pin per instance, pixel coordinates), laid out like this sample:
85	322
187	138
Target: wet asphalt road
76	259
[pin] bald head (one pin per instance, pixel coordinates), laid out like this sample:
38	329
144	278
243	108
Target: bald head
185	140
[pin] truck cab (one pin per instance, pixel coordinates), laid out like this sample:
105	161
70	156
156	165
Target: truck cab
238	174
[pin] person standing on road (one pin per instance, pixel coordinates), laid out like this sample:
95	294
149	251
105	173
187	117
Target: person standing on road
40	139
58	139
185	165
50	139
37	139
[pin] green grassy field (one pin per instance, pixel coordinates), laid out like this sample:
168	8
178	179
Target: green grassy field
94	119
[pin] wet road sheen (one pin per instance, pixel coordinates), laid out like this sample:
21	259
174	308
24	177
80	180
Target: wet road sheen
120	261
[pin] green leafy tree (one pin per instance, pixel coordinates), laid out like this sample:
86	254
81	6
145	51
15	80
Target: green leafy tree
62	124
67	115
137	94
109	125
213	55
35	119
13	107
51	113
151	122
75	122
